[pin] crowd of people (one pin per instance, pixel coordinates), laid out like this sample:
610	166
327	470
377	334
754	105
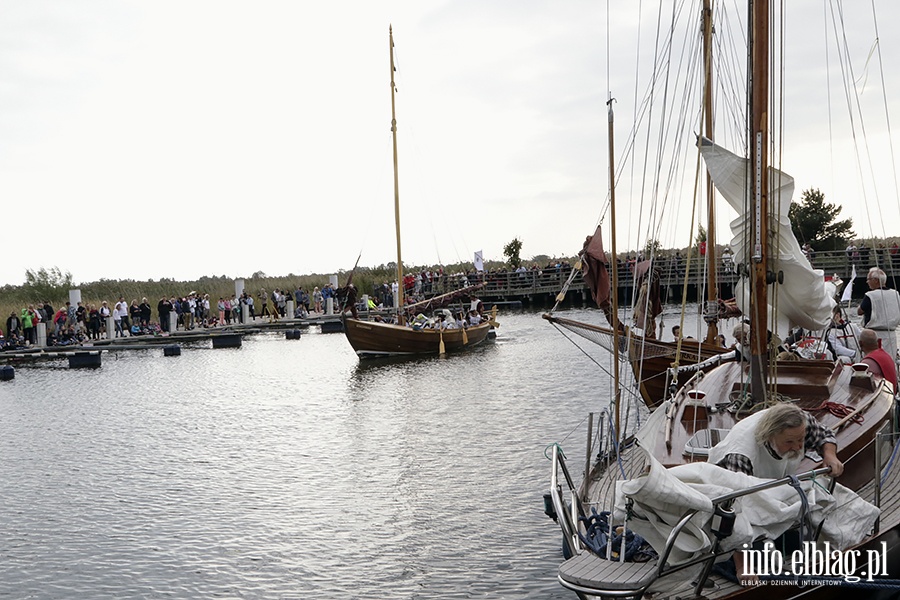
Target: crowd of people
80	323
445	319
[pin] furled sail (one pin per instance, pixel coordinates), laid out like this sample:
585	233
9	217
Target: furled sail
648	305
596	274
661	497
803	299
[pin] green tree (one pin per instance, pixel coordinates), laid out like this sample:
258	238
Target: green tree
701	235
813	222
652	248
45	284
511	252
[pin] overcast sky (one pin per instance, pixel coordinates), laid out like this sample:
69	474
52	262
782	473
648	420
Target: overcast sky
180	139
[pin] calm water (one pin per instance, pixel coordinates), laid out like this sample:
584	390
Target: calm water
288	469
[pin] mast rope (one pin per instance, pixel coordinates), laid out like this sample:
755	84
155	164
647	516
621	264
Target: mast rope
887	115
852	99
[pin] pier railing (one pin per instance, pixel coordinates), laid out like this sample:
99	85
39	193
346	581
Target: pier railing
548	281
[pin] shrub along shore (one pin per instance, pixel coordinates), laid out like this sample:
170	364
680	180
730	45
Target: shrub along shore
15	298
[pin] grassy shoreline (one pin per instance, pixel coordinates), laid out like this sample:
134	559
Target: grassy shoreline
15	298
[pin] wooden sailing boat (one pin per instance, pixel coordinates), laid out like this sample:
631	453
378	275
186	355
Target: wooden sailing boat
651	358
374	338
853	403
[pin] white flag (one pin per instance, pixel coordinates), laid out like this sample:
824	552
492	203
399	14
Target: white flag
479	261
848	289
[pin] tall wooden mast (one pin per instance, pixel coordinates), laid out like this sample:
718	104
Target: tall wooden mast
614	295
759	141
396	182
712	283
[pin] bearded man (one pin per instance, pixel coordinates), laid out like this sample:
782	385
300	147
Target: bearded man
772	443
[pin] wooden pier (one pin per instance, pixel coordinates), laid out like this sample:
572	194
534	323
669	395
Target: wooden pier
227	336
539	287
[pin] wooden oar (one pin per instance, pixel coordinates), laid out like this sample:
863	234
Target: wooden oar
441	349
493	320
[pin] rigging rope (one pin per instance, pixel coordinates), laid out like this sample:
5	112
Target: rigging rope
839	410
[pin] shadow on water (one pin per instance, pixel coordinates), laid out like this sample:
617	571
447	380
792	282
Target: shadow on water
370	370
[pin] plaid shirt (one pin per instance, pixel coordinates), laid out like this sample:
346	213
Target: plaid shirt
817	435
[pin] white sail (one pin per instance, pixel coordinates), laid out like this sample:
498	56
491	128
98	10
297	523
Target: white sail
804	299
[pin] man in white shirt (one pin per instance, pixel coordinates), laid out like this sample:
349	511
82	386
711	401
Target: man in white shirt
880	309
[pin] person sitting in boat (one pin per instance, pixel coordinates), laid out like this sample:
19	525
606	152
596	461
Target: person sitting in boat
843	337
474	318
771	444
879	362
676	332
880	309
741	333
420	322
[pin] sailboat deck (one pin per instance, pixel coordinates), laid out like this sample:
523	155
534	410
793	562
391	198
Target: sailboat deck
587	570
810	387
591	572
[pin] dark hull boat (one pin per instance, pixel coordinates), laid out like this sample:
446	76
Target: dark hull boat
372	339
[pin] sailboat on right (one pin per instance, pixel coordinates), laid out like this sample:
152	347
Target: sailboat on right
760	477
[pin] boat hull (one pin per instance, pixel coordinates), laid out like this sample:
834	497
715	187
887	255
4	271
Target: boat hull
371	339
650	359
650	371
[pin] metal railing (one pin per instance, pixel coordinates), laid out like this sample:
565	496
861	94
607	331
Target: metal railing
548	280
569	519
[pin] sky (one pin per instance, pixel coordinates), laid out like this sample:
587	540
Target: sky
148	140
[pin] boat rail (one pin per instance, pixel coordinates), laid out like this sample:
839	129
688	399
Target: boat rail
724	502
569	519
567	516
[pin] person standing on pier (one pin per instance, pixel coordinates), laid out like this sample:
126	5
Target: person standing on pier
81	316
164	307
118	311
264	300
880	309
134	311
317	299
94	322
247	300
13	324
104	315
146	312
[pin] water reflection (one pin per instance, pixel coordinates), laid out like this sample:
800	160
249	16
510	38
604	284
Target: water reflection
288	468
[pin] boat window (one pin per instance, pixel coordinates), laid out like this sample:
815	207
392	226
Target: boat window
700	443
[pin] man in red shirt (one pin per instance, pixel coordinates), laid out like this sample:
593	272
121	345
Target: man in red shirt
879	362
